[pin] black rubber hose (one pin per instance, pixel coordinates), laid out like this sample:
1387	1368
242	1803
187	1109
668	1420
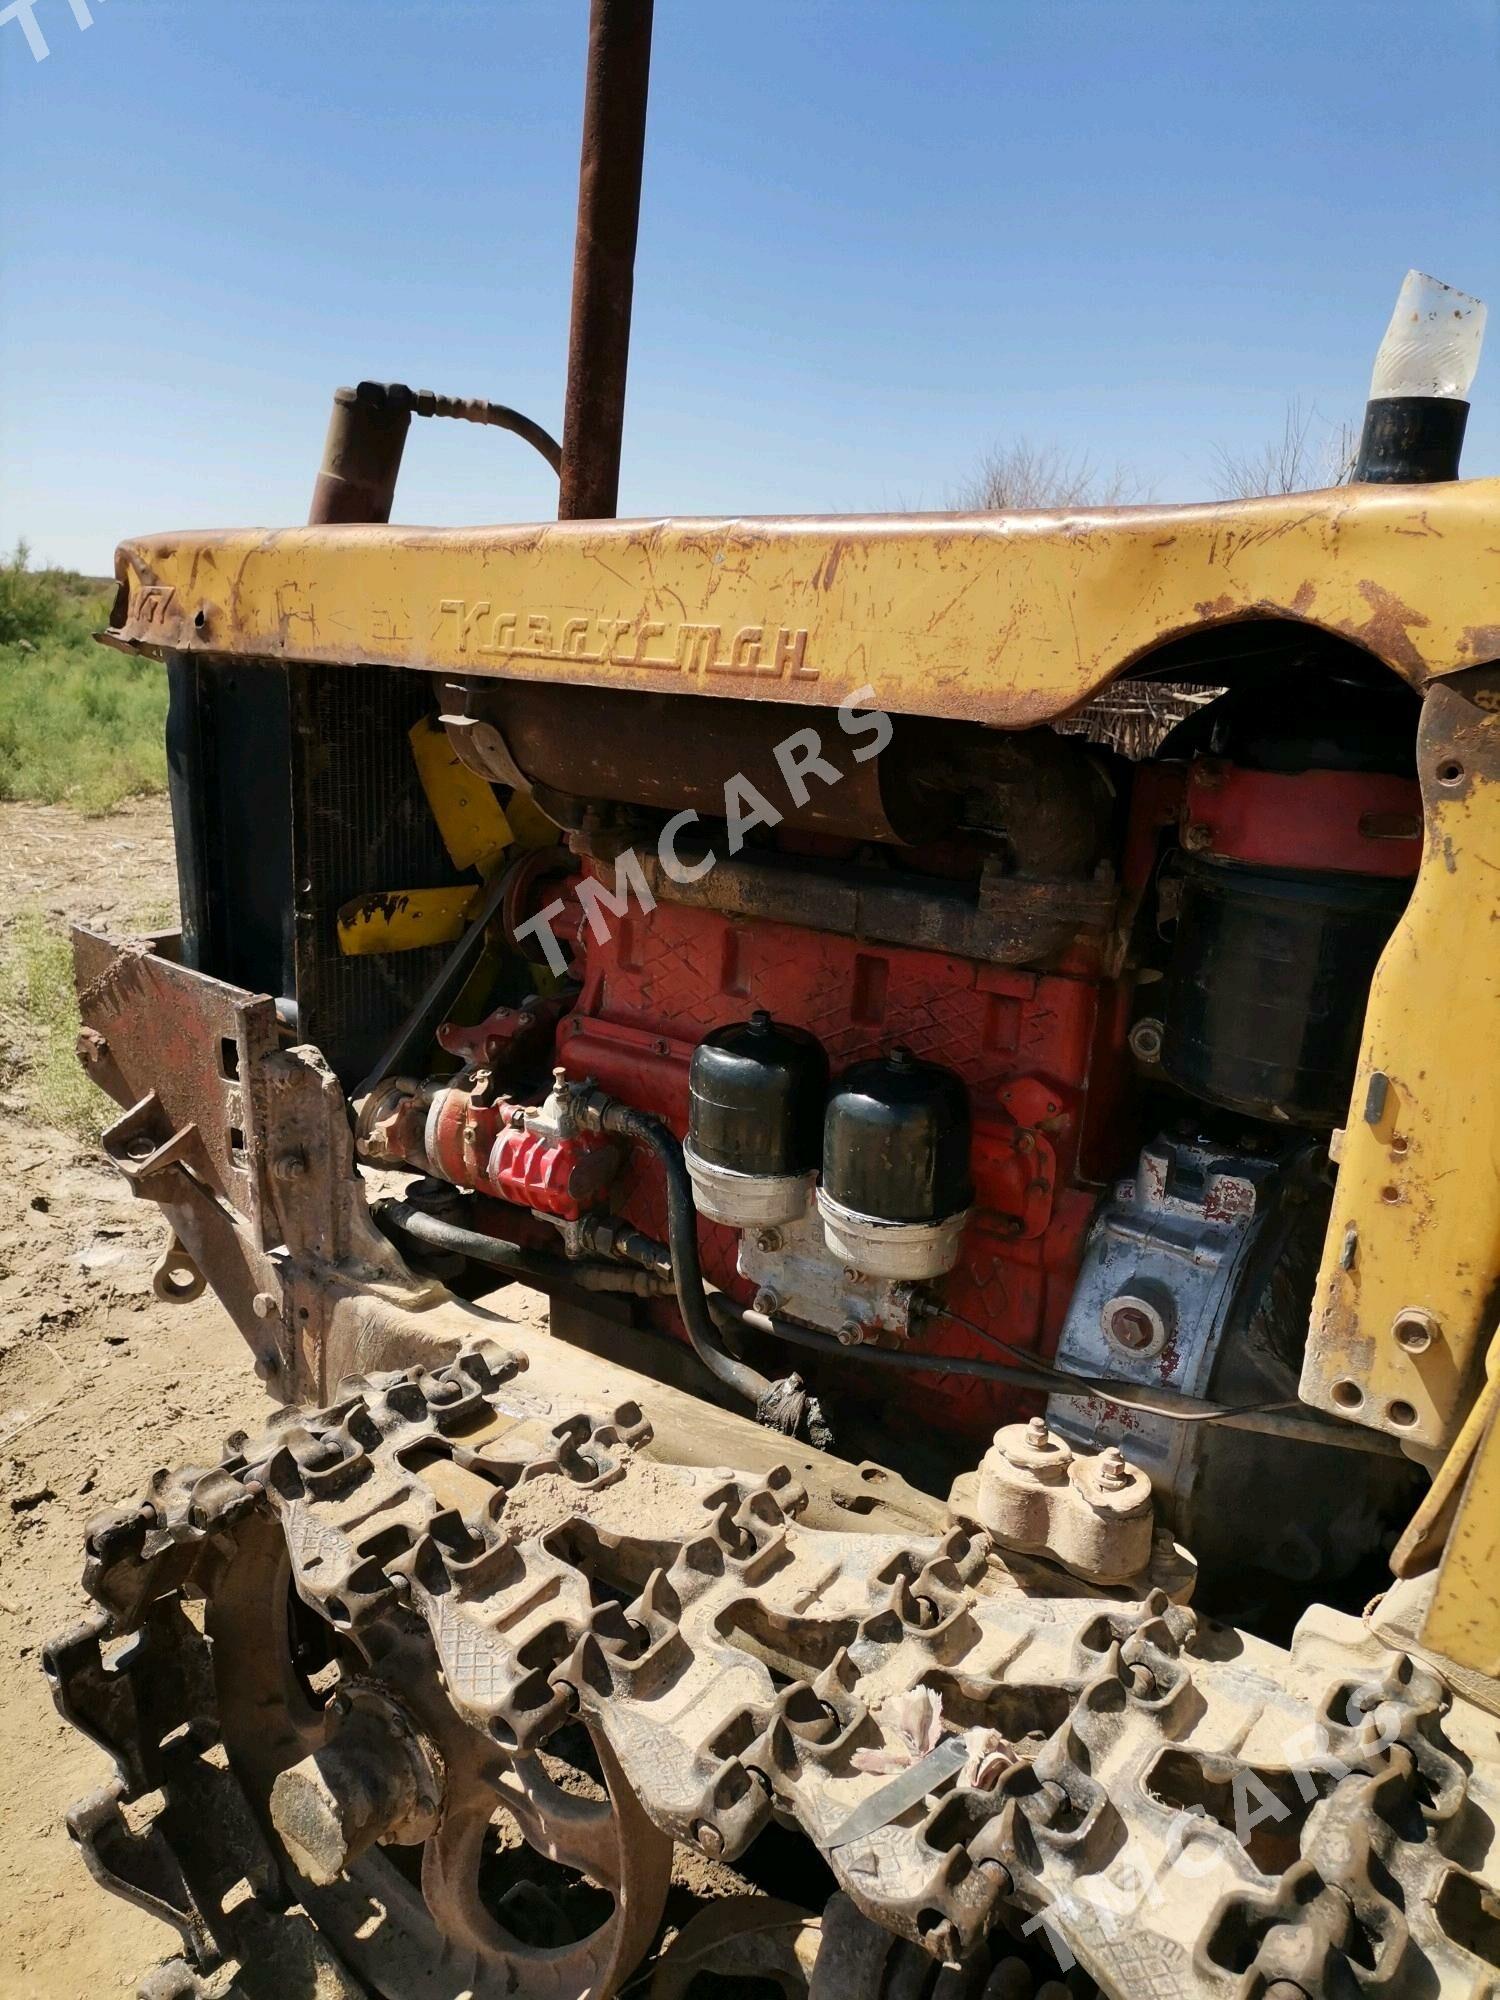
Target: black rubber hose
533	1267
682	1240
1170	1404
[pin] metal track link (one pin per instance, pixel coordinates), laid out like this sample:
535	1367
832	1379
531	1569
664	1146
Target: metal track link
967	1742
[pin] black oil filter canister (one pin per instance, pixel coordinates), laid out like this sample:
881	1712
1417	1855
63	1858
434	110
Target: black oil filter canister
755	1098
896	1141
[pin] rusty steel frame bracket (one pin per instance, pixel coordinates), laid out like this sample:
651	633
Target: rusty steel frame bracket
1405	1299
178	1049
244	1144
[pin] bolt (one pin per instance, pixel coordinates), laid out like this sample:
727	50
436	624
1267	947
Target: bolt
290	1166
850	1334
766	1301
92	1046
851	1276
1414	1330
1131	1325
1037	1434
709	1839
1196	838
1146	1039
768	1239
559	1078
1113	1471
263	1305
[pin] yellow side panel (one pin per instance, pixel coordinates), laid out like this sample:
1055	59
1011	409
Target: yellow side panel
1463	1620
405	919
999	618
1406	1295
469	817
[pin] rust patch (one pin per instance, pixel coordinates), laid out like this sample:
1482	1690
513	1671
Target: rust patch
1480	643
1386	630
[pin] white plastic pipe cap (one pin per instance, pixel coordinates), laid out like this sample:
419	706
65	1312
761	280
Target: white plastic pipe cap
1431	347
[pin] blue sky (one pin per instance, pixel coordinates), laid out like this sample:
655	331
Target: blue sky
877	237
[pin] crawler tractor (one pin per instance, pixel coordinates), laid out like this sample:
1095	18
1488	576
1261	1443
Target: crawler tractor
979	1032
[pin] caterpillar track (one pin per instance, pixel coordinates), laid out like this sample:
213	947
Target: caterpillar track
413	1694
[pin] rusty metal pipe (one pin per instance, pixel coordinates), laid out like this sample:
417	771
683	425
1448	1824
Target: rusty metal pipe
361	459
609	207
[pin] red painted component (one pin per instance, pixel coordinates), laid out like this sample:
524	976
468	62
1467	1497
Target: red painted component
559	1177
481	1146
1350	822
504	1035
1032	1047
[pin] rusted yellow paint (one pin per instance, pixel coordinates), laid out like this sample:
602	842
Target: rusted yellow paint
474	827
1425	1534
405	919
1009	619
1463	1620
1416	1215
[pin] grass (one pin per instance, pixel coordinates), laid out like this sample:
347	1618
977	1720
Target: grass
39	1030
80	724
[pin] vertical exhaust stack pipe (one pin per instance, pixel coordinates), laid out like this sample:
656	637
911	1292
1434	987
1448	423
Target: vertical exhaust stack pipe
1418	408
361	457
609	207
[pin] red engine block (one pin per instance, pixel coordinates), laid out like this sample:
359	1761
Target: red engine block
1040	1053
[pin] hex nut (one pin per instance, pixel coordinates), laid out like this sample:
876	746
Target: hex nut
1140	1320
1146	1039
1415	1330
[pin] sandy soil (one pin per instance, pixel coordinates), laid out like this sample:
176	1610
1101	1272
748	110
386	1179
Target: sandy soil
98	1386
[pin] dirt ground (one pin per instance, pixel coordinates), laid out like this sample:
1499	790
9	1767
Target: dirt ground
98	1386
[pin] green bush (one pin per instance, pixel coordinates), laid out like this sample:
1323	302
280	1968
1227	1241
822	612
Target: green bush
80	724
